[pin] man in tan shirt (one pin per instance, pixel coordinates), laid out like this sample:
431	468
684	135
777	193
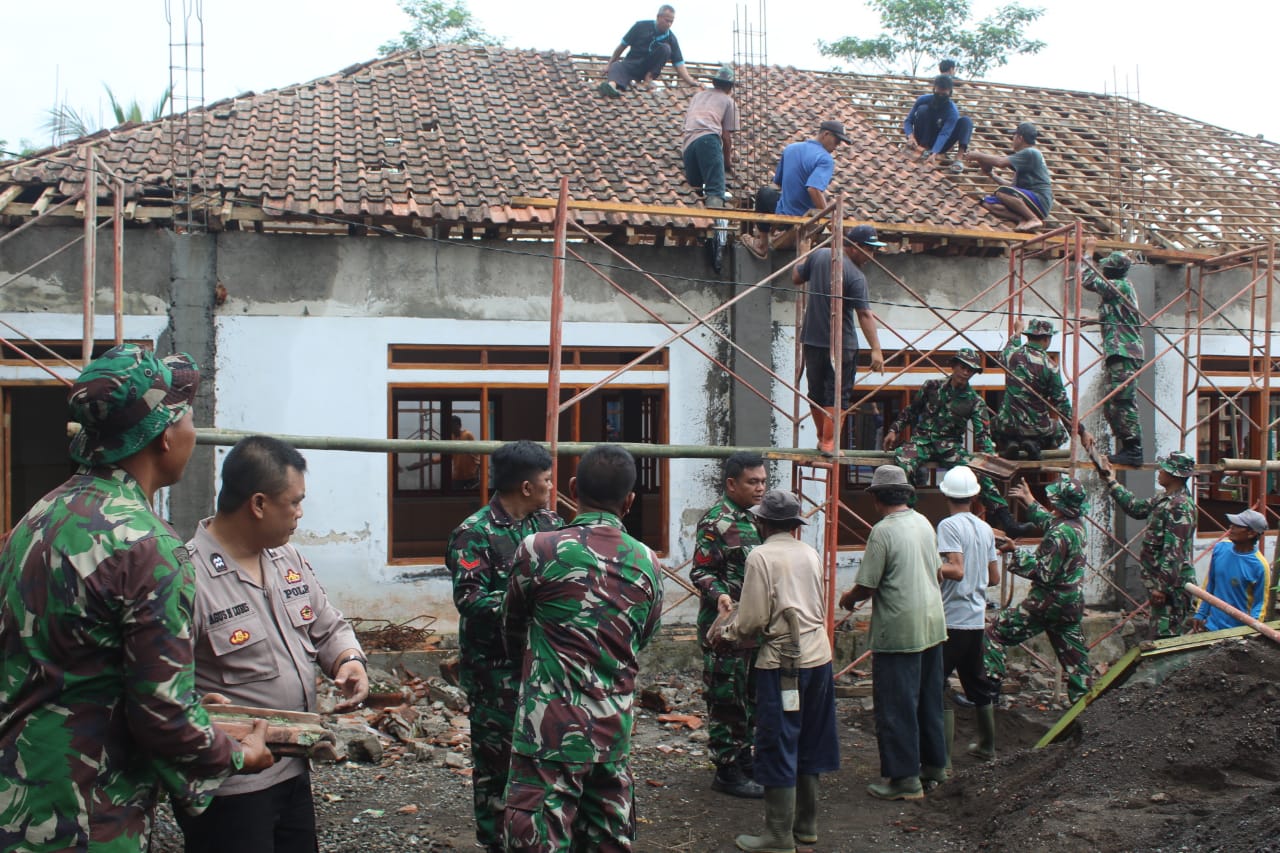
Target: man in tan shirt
783	605
262	623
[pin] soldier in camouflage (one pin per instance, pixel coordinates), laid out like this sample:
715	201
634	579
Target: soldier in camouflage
939	415
724	537
98	709
1168	546
583	601
1036	412
479	560
1055	604
1122	348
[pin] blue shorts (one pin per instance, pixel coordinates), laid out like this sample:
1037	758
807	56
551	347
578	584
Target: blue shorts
1027	195
801	742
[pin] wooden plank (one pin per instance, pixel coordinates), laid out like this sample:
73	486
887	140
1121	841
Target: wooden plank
43	202
8	195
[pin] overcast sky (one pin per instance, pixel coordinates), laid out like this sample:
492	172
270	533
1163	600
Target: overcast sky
1209	64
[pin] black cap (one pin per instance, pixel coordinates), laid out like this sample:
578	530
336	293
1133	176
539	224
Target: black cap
862	235
835	128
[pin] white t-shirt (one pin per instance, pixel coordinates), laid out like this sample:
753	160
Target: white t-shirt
965	601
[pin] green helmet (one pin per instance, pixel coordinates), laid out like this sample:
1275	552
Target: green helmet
1117	262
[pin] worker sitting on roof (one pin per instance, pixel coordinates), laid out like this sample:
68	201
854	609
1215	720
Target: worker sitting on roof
652	44
935	125
709	125
799	184
1030	199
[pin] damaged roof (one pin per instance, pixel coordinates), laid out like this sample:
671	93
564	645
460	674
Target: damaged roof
448	136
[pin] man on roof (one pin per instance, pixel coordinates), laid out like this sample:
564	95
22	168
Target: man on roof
934	125
707	148
1030	199
651	44
799	184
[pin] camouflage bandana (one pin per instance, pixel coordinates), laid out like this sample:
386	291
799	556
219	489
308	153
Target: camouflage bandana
1040	327
1178	464
127	397
1068	496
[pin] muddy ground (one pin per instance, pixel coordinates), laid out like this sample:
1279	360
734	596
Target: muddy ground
1188	763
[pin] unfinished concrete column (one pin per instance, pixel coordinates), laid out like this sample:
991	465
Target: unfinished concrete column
193	278
752	320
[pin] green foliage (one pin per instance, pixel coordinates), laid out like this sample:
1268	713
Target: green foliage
919	32
438	22
133	112
64	123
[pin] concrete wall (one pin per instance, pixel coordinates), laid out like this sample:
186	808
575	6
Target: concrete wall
300	346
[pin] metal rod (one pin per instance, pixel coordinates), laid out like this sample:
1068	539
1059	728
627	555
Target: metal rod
117	281
90	251
557	327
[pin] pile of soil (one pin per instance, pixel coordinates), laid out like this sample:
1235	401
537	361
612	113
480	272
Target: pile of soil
1188	763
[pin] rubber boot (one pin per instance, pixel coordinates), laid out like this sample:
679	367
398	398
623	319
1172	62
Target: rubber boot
826	429
985	748
949	733
906	788
1031	449
932	777
779	817
732	781
1012	450
805	829
1129	454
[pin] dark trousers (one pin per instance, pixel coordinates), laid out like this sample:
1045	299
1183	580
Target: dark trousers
822	375
907	690
626	70
704	165
795	742
962	654
960	135
281	819
767	198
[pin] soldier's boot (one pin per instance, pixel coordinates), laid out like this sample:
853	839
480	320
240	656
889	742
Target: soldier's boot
805	828
1130	453
906	788
949	734
747	762
826	428
732	781
1031	449
779	817
985	748
1012	450
1003	519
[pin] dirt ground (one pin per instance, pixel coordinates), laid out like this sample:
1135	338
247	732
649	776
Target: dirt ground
1187	763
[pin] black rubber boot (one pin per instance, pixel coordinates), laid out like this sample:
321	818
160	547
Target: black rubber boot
1031	449
805	828
1003	519
779	817
732	781
1130	453
747	763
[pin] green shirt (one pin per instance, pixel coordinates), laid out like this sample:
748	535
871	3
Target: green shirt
901	564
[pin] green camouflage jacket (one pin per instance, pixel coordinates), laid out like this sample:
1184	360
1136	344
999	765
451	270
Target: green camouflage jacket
1035	398
725	536
479	561
1118	315
98	709
1168	546
1056	569
941	412
590	597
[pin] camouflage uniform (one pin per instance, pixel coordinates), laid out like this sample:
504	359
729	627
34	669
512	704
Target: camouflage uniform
589	597
479	560
938	416
1168	547
1122	347
98	708
1055	604
725	535
1035	404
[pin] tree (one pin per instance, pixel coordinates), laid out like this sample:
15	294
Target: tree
64	123
438	22
917	31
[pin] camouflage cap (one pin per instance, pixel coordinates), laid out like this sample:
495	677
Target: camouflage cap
1067	495
1178	463
125	398
1041	327
967	357
724	74
1116	261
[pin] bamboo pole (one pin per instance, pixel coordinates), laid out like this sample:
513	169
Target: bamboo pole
1239	615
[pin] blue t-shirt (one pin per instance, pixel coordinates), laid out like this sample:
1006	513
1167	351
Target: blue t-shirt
803	165
1238	579
932	120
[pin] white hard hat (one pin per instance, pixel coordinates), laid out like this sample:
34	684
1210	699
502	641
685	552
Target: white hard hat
960	482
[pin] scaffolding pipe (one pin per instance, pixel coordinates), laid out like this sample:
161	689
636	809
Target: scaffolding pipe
557	324
117	281
90	251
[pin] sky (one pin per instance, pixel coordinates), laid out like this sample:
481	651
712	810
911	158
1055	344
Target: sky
1207	62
